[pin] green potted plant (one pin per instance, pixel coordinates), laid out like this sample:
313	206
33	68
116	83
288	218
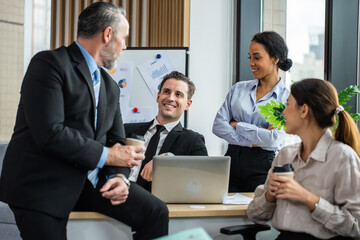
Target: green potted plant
273	111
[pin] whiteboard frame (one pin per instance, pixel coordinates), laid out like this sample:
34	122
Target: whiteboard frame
139	83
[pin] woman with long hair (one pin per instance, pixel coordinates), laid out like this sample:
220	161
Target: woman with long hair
322	201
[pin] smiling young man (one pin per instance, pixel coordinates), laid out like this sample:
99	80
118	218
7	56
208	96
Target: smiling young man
173	99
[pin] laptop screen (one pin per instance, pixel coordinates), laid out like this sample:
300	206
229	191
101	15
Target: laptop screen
191	179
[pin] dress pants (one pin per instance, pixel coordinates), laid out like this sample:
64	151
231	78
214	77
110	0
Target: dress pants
143	212
34	225
249	167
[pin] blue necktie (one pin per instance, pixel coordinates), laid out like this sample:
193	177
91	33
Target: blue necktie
93	174
96	83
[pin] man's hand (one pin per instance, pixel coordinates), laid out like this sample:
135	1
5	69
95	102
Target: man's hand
146	173
125	156
116	190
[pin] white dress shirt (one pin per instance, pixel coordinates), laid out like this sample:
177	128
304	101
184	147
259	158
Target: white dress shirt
135	171
332	172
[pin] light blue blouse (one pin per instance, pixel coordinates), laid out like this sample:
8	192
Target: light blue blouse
241	105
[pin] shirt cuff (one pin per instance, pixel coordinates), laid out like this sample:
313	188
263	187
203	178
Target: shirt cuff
241	128
103	158
322	212
268	206
110	176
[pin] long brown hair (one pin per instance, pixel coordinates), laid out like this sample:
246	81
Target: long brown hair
322	98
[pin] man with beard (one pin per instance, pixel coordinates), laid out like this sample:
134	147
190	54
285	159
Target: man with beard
174	97
65	153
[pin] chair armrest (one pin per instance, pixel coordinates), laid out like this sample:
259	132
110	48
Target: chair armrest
244	229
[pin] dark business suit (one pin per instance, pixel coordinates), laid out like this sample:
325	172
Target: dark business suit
55	143
179	141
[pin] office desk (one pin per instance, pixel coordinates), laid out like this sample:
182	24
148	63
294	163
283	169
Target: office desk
92	225
209	210
183	210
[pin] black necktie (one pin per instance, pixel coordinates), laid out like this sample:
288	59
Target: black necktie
149	154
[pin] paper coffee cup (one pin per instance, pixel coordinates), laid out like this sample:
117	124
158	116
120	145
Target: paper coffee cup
285	170
135	140
288	174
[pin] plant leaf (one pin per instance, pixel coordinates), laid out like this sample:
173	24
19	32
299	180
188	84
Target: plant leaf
272	111
348	108
348	93
355	116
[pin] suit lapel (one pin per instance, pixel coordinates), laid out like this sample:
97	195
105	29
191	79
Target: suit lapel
170	139
143	128
84	70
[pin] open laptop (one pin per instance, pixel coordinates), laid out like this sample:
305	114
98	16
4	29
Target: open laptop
190	179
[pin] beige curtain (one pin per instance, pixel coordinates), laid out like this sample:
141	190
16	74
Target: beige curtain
153	23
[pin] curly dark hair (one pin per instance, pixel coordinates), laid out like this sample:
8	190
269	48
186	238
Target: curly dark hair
275	46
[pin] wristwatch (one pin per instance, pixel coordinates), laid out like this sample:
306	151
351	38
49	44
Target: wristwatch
125	179
317	204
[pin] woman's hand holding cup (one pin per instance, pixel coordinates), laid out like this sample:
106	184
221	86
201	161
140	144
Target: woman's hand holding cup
280	175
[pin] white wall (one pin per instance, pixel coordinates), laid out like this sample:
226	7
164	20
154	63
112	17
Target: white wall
27	32
210	65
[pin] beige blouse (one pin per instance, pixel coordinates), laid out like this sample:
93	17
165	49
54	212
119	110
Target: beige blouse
333	173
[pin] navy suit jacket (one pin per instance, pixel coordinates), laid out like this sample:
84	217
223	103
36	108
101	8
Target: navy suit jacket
55	143
179	141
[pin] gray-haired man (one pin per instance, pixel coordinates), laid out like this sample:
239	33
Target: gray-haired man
66	152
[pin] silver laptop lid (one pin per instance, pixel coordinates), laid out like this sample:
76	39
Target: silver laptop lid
190	179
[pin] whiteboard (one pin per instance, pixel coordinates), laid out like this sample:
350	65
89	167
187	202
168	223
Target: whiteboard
140	95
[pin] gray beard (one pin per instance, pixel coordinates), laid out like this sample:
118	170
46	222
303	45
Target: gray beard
110	63
110	59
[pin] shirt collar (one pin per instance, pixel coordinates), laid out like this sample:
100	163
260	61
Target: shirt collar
253	85
90	61
319	153
279	88
168	126
276	91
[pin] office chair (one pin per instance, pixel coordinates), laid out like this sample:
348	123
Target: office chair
248	231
